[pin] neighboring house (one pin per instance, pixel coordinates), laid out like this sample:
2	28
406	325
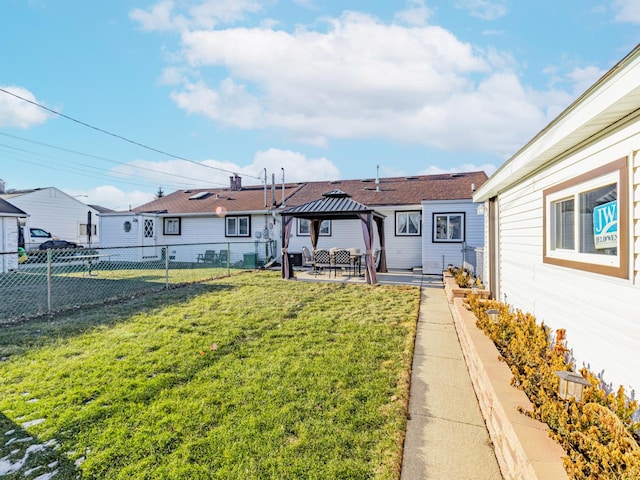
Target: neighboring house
429	219
563	226
235	215
52	210
9	221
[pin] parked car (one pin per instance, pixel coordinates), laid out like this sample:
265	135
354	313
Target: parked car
57	244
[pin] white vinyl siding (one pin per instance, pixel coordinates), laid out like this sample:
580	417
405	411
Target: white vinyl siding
635	193
437	255
599	312
56	212
8	243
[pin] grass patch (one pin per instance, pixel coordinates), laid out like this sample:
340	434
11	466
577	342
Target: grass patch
242	377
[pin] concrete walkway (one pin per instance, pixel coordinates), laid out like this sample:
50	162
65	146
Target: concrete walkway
446	434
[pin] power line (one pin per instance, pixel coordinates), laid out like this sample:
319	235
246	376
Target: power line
97	157
90	174
120	137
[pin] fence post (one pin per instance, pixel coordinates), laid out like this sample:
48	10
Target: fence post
49	281
229	258
166	266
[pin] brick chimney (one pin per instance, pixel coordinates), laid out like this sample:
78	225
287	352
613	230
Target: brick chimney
235	183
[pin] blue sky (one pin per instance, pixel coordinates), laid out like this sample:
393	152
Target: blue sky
322	89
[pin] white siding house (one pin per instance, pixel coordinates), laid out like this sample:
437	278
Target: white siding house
443	243
408	204
51	209
183	236
548	251
9	217
192	217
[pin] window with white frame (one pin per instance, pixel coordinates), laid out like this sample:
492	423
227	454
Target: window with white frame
448	227
172	226
238	226
585	224
408	223
304	227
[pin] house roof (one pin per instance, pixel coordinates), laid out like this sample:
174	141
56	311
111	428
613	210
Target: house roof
101	209
209	200
7	208
396	190
391	191
8	194
611	99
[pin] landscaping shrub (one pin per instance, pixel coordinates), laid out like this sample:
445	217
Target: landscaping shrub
599	434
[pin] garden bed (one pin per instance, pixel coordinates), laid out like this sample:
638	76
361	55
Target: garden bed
452	290
539	432
523	447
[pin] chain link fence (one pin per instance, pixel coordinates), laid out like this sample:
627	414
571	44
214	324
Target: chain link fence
38	283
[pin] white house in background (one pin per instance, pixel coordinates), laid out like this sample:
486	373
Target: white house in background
9	220
428	220
563	231
50	209
189	222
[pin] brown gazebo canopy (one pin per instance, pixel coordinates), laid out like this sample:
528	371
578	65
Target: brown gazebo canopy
335	205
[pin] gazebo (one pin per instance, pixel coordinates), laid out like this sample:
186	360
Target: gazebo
335	205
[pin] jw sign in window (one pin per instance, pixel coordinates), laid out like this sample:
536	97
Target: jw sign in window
585	221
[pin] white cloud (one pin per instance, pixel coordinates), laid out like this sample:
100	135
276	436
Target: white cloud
159	17
165	16
488	168
361	78
18	113
298	168
417	13
178	174
583	78
484	9
627	11
112	197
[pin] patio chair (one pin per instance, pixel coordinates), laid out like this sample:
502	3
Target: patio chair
356	259
223	258
307	259
342	259
321	259
209	256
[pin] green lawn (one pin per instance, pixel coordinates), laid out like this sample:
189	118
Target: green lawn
244	377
